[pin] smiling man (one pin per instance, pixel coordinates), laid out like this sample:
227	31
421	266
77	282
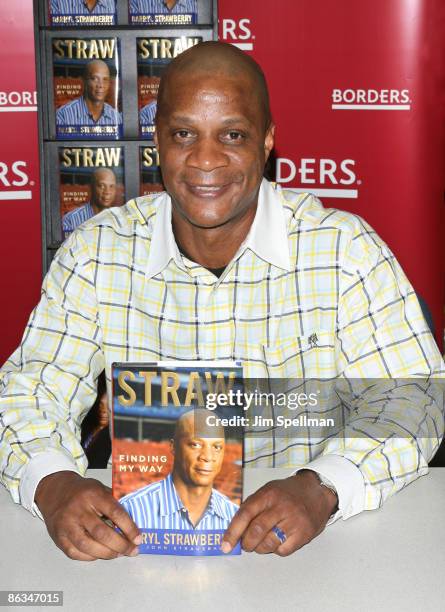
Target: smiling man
224	265
186	499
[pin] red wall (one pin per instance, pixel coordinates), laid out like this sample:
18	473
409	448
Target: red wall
20	233
393	159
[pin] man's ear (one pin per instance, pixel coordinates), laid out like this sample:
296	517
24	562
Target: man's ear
269	140
172	446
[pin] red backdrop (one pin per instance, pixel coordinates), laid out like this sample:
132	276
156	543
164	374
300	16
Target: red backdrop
20	230
357	93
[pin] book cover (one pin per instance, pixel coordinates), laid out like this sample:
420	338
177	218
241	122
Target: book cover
82	13
91	180
177	453
163	12
153	54
87	88
150	172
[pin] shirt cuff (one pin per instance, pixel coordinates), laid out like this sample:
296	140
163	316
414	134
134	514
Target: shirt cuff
347	480
38	467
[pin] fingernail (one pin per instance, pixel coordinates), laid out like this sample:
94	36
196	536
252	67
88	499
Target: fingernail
138	540
225	547
134	552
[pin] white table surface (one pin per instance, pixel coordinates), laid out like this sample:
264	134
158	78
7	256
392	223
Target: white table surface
390	559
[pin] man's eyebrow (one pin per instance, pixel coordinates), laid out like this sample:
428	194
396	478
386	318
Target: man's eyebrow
201	438
225	122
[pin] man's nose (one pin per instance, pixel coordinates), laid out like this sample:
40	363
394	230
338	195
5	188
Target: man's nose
205	454
207	154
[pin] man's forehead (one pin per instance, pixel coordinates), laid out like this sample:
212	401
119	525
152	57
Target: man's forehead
97	68
104	174
205	81
236	98
201	436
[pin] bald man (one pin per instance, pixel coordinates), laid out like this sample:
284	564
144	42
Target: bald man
223	265
90	109
186	499
103	195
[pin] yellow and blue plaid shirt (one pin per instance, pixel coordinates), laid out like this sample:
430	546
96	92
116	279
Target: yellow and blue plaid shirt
119	290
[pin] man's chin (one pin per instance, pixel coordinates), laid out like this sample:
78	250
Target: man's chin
204	480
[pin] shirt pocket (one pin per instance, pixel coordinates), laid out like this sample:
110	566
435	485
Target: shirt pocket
310	356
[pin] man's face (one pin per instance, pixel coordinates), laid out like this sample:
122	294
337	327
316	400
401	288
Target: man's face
198	460
97	82
104	189
213	147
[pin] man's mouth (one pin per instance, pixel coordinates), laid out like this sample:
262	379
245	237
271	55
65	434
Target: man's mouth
202	471
207	191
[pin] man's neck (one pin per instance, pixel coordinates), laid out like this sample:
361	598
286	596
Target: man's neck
90	4
96	209
195	499
214	247
170	4
94	108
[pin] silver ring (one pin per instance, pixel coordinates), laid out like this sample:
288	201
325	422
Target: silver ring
280	534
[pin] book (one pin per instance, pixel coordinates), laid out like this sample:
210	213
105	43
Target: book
150	172
87	88
77	13
91	179
163	12
177	452
153	55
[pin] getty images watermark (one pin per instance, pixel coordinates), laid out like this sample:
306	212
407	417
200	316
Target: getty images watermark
328	408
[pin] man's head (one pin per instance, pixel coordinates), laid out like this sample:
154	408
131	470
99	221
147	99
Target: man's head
103	189
96	81
198	449
214	133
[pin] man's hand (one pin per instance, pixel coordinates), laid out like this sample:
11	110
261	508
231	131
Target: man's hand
300	506
75	510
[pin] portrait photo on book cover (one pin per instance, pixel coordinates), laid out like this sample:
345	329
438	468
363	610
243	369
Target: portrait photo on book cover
172	471
91	179
87	92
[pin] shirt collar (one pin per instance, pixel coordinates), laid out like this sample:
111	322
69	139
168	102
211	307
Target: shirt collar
170	502
267	237
107	110
163	247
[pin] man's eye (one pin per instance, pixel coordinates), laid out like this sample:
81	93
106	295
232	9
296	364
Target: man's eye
233	136
182	134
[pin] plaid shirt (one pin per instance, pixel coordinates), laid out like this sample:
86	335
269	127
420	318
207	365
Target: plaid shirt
119	290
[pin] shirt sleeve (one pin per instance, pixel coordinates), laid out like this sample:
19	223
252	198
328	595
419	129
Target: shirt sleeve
49	383
391	383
